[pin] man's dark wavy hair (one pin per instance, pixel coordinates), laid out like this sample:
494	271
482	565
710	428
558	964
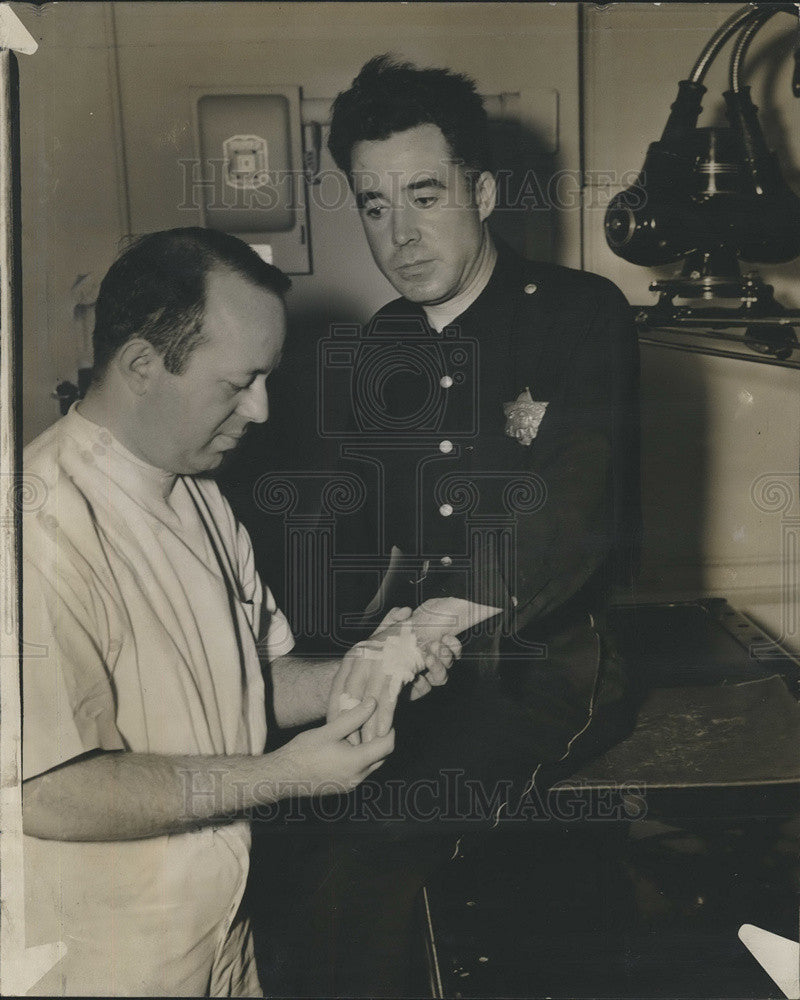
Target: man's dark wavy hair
157	290
389	96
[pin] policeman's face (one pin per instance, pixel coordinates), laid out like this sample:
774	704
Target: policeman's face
189	421
422	215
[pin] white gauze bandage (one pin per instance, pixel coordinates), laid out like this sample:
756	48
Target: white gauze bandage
401	660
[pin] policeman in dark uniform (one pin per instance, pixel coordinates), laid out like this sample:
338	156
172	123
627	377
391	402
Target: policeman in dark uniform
495	410
494	424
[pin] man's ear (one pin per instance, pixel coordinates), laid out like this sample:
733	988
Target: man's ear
485	194
138	362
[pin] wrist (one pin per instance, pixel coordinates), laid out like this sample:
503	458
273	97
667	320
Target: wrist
284	779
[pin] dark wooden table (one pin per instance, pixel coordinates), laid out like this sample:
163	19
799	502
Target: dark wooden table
716	746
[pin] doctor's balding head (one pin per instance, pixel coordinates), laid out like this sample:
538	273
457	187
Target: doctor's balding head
189	323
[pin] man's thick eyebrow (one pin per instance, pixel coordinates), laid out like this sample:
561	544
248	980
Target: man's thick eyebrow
424	182
427	182
364	196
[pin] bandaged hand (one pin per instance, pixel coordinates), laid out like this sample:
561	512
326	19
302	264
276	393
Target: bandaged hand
436	623
383	665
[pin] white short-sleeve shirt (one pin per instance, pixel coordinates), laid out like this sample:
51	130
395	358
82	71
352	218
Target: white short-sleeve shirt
143	616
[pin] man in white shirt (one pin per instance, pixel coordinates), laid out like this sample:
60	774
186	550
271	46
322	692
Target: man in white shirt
144	714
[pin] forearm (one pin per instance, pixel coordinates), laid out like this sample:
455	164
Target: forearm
128	796
301	689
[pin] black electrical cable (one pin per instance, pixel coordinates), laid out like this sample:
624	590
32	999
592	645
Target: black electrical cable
713	46
736	21
742	46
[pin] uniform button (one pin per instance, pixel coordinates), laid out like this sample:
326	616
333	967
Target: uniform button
445	447
446	510
446	561
530	289
445	381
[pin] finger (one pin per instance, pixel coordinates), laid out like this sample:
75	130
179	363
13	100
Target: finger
453	644
367	731
352	720
387	704
393	616
443	654
346	702
338	700
420	687
381	721
376	750
374	689
440	655
437	672
336	704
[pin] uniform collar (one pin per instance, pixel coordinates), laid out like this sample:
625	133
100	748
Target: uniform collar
514	283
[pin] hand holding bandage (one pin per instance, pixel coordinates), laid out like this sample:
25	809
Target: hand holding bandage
406	649
384	664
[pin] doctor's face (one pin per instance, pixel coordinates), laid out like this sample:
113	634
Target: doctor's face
191	420
422	215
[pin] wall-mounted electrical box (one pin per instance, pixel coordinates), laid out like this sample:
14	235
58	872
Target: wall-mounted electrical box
249	173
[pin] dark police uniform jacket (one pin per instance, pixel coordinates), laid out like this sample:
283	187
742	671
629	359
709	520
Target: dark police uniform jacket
541	530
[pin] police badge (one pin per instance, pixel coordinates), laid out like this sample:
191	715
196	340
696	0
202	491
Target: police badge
524	415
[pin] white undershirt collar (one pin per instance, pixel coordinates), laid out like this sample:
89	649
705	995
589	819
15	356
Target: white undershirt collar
443	314
140	477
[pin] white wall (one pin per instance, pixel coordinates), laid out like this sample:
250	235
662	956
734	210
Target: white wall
161	50
71	188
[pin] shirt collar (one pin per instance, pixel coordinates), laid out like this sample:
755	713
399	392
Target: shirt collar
139	477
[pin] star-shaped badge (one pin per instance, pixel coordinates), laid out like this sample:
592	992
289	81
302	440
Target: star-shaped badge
524	415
